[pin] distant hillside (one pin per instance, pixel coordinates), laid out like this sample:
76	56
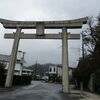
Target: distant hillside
40	69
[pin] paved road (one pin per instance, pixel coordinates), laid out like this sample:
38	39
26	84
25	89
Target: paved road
36	91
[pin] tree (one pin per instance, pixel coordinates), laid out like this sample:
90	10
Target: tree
83	71
90	64
92	39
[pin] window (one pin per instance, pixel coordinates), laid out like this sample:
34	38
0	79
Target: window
54	70
50	70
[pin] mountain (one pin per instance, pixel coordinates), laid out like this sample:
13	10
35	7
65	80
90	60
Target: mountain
40	69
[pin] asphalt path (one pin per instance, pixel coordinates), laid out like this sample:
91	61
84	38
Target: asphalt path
36	91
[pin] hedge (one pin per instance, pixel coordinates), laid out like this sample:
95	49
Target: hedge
96	81
17	80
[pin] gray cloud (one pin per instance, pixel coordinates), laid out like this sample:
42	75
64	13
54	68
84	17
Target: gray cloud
45	51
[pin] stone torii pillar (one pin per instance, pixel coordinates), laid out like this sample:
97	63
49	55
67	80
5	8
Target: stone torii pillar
9	78
65	78
40	26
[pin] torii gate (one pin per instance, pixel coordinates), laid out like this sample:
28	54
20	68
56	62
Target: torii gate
40	26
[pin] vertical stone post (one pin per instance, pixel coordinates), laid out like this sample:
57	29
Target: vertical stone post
91	83
11	66
65	80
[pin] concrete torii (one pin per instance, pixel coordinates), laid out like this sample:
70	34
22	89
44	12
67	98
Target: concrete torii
40	26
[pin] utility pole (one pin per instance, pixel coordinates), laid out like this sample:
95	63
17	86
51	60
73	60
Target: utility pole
81	83
23	58
35	71
83	47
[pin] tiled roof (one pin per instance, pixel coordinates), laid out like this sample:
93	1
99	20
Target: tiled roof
4	58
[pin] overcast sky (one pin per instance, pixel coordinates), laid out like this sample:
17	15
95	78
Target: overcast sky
45	51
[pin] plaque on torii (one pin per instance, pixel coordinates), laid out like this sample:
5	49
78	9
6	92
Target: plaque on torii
40	27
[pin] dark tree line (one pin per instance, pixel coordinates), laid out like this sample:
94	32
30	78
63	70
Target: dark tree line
91	62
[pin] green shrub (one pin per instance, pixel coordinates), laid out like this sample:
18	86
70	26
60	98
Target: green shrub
22	80
81	75
96	81
2	73
17	80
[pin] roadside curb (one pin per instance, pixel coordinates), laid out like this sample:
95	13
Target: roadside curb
6	89
86	95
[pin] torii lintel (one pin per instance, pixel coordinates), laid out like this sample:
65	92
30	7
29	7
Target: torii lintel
77	23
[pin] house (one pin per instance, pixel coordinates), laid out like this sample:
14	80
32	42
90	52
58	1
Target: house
56	70
19	70
26	71
52	69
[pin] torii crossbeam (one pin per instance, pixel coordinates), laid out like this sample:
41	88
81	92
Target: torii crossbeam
40	26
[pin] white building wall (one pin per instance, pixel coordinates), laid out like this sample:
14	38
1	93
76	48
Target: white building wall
59	71
19	55
18	68
27	71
